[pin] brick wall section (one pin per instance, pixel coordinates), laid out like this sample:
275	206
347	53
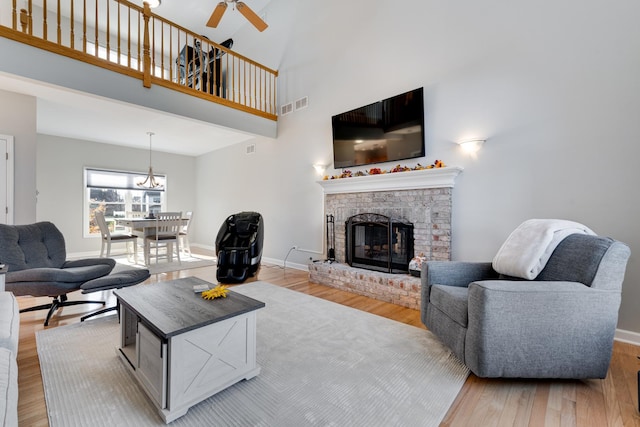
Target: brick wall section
430	212
400	289
428	209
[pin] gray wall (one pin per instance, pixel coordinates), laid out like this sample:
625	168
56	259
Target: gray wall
60	181
18	119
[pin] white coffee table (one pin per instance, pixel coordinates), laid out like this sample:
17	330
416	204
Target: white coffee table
183	349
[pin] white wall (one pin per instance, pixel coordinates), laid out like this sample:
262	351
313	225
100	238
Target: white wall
18	118
552	86
60	163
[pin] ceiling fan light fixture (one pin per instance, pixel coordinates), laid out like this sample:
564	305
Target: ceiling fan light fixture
245	10
251	16
216	16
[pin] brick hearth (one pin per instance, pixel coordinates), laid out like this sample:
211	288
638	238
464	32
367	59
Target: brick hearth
422	197
401	289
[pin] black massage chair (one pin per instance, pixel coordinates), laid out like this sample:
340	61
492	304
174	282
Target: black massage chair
239	247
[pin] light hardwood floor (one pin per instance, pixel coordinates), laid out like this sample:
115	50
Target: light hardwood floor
609	402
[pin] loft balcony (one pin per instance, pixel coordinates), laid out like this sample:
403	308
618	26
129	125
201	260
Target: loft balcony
131	42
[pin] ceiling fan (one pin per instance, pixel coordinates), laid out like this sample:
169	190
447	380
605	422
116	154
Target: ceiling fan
245	10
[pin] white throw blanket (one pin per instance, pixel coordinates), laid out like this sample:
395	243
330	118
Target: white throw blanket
529	247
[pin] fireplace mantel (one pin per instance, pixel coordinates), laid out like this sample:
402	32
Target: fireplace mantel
410	180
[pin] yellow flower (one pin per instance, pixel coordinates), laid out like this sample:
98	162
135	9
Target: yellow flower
219	291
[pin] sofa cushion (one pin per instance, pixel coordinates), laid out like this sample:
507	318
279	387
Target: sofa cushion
577	249
451	300
9	322
32	246
59	275
116	280
8	388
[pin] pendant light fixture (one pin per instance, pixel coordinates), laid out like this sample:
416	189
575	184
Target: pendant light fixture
150	181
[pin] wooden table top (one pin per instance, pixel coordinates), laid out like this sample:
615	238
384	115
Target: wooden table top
171	308
142	222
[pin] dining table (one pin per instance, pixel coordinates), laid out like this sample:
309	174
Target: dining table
145	226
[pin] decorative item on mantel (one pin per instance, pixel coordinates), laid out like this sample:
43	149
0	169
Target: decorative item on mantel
413	179
377	171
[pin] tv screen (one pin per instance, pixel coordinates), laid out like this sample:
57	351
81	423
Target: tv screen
385	131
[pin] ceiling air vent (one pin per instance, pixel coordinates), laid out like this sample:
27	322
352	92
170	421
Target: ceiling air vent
286	109
302	103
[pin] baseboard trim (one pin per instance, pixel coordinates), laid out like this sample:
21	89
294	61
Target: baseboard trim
279	262
629	337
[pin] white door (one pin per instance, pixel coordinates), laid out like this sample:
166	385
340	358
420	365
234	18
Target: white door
6	179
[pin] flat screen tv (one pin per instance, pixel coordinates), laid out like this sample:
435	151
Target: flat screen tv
385	131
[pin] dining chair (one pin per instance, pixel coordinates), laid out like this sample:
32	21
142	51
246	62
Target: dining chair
184	234
108	237
165	234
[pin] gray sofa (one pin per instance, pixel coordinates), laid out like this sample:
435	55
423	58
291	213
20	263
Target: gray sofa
9	334
559	325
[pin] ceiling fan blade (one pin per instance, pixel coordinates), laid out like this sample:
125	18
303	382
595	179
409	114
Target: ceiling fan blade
251	16
216	16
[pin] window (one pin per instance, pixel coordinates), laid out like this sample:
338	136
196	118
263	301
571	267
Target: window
122	59
116	193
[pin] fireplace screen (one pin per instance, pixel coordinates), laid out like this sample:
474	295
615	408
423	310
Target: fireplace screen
377	242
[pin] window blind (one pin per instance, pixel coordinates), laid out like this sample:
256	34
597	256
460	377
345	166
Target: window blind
108	179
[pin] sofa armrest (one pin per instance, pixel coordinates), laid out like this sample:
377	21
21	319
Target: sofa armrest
456	273
8	388
540	329
452	273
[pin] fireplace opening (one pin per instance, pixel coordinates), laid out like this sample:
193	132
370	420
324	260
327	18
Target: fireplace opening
380	243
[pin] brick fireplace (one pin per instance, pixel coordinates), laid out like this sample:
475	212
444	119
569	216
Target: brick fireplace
420	197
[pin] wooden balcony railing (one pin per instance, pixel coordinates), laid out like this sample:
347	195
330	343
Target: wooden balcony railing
129	39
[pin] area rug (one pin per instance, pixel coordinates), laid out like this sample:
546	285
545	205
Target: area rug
323	364
186	262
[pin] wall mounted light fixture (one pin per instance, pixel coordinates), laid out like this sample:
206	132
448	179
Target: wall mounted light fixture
320	168
471	145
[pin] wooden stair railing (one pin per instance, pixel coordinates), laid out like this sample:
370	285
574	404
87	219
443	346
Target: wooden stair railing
131	40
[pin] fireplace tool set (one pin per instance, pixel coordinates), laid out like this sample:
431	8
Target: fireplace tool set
331	238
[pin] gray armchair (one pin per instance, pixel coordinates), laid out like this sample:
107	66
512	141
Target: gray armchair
36	257
559	325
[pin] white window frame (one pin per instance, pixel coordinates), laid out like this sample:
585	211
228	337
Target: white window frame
126	184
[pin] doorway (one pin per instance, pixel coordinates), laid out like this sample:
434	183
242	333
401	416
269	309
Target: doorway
6	179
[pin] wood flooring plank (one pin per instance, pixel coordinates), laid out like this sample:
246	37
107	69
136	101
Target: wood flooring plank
518	405
465	404
493	403
540	404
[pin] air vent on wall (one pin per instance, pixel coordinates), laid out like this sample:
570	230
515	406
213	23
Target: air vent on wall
251	149
286	109
302	103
